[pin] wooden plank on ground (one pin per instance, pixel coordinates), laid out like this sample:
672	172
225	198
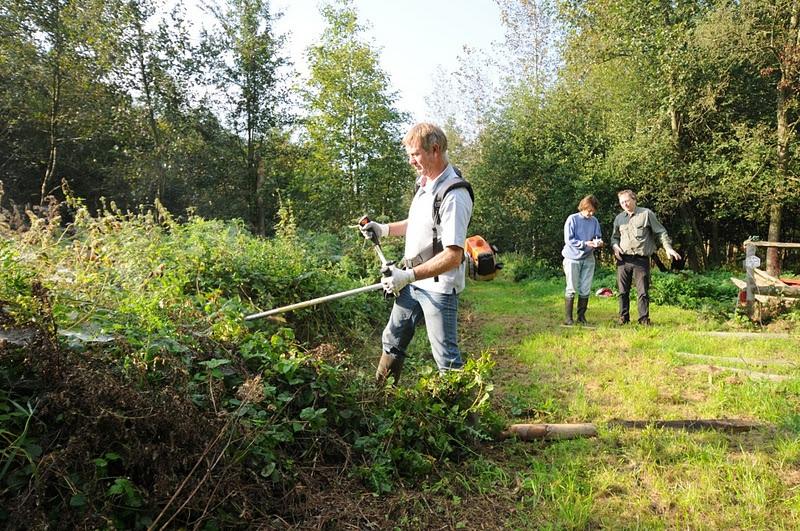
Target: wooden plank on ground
747	335
748	361
754	375
732	425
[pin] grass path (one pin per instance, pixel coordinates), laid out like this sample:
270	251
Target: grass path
629	479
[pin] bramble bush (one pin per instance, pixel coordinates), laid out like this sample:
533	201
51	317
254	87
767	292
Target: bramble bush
151	400
710	292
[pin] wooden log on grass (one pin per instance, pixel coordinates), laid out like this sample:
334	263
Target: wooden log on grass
730	425
730	359
753	375
747	335
547	432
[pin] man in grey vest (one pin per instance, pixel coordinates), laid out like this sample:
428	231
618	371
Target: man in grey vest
430	277
634	239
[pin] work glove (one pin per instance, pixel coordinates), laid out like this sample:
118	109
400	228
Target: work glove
374	229
397	280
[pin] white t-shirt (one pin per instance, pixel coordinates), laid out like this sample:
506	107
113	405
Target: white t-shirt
456	211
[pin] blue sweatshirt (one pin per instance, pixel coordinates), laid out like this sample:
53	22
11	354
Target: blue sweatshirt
577	231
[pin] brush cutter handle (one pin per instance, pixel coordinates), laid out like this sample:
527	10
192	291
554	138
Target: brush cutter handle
370	230
373	230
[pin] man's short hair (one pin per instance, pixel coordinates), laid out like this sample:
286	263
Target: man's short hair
588	202
425	135
629	193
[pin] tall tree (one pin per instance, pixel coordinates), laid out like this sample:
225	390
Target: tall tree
773	40
248	78
21	99
153	59
643	57
355	163
532	41
465	98
67	46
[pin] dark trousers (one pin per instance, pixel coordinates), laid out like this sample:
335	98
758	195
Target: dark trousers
634	269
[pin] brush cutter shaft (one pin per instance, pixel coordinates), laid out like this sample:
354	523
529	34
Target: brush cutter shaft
380	255
312	302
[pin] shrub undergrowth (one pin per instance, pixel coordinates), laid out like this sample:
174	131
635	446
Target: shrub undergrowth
150	402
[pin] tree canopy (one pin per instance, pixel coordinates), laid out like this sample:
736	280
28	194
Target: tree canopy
694	104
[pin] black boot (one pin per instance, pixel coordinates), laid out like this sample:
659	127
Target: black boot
583	302
568	310
388	366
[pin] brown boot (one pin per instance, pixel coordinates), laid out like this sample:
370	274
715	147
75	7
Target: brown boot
388	366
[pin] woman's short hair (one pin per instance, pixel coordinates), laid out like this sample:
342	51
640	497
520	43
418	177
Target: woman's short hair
588	202
425	135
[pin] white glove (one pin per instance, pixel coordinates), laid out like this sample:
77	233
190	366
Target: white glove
373	227
399	279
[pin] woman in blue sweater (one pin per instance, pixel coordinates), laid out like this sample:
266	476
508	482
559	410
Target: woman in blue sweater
581	237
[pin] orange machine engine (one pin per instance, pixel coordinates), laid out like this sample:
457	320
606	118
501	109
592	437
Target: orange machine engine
481	256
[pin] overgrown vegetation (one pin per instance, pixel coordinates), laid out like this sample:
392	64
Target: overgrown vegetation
135	395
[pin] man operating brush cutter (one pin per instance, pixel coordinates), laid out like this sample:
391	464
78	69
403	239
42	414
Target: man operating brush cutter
426	283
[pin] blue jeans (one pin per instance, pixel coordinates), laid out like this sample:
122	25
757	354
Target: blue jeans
439	312
579	276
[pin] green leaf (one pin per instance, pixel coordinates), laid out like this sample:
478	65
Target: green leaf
214	363
78	500
268	469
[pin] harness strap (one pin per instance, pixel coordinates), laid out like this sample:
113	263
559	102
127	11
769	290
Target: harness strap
436	246
426	254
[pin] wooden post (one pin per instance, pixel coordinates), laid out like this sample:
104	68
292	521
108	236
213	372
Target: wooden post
750	255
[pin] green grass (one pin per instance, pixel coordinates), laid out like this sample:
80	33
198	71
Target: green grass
624	478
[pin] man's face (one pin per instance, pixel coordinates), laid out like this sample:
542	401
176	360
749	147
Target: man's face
627	203
427	163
